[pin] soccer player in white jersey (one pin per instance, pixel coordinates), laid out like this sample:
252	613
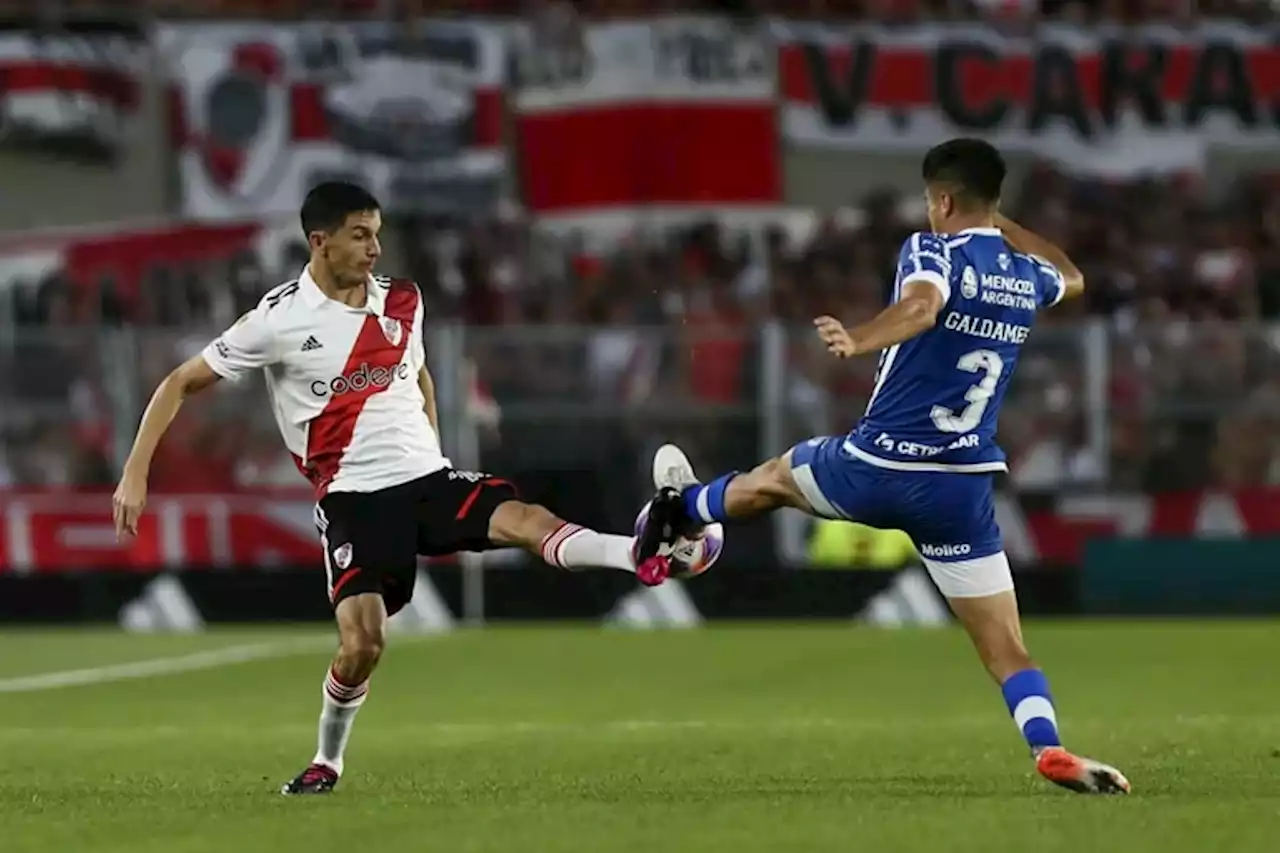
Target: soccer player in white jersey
923	457
346	374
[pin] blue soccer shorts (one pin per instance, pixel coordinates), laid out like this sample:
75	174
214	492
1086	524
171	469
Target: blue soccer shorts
949	516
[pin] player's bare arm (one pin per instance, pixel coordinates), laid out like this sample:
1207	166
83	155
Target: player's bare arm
1031	243
385	493
428	386
914	313
931	422
130	498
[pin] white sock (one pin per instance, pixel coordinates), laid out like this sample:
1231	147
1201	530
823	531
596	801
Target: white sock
341	702
570	546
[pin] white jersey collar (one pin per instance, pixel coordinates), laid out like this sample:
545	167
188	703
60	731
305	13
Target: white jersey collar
375	296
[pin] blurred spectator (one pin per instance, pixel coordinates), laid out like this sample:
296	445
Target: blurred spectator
1181	276
559	15
1182	273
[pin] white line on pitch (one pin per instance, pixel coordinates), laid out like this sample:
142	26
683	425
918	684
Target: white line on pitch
153	667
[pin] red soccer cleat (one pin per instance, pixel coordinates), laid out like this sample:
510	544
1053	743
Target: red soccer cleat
1082	775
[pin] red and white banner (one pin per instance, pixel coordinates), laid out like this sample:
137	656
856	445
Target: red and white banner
1103	98
262	112
660	120
70	531
78	83
66	532
1059	535
125	257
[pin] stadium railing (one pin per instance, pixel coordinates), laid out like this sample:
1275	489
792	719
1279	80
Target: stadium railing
528	398
1091	407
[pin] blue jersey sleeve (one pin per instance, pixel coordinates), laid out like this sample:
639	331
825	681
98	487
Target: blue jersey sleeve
925	257
1052	286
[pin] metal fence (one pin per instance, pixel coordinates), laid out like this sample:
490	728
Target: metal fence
1090	406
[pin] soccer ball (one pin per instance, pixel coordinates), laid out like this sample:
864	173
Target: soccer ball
690	556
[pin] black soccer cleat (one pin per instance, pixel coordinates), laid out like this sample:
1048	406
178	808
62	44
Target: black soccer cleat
662	525
316	779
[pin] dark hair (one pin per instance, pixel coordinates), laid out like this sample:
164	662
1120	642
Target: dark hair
329	204
971	169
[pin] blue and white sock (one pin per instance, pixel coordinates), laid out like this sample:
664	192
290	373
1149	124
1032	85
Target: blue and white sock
1027	696
705	501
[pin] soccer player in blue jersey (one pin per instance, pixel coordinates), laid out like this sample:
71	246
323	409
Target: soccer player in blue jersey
923	457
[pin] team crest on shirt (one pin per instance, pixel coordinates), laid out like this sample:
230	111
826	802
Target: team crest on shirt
1003	260
342	555
393	329
969	283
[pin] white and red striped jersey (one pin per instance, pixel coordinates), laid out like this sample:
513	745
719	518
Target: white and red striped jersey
343	381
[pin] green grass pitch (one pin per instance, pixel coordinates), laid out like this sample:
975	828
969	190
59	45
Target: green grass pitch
740	739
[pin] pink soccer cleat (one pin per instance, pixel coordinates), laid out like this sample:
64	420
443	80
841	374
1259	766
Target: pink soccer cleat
654	570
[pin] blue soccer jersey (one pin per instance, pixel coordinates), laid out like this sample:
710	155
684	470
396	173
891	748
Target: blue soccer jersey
937	396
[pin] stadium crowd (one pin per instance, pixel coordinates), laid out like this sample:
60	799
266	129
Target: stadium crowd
1184	277
1184	284
881	11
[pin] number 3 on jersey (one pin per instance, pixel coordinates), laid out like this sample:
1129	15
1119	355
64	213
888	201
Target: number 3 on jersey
979	361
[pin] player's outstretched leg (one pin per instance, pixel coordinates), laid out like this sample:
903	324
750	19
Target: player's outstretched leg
362	632
682	503
571	546
993	624
733	496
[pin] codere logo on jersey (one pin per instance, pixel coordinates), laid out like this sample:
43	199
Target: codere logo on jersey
362	378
